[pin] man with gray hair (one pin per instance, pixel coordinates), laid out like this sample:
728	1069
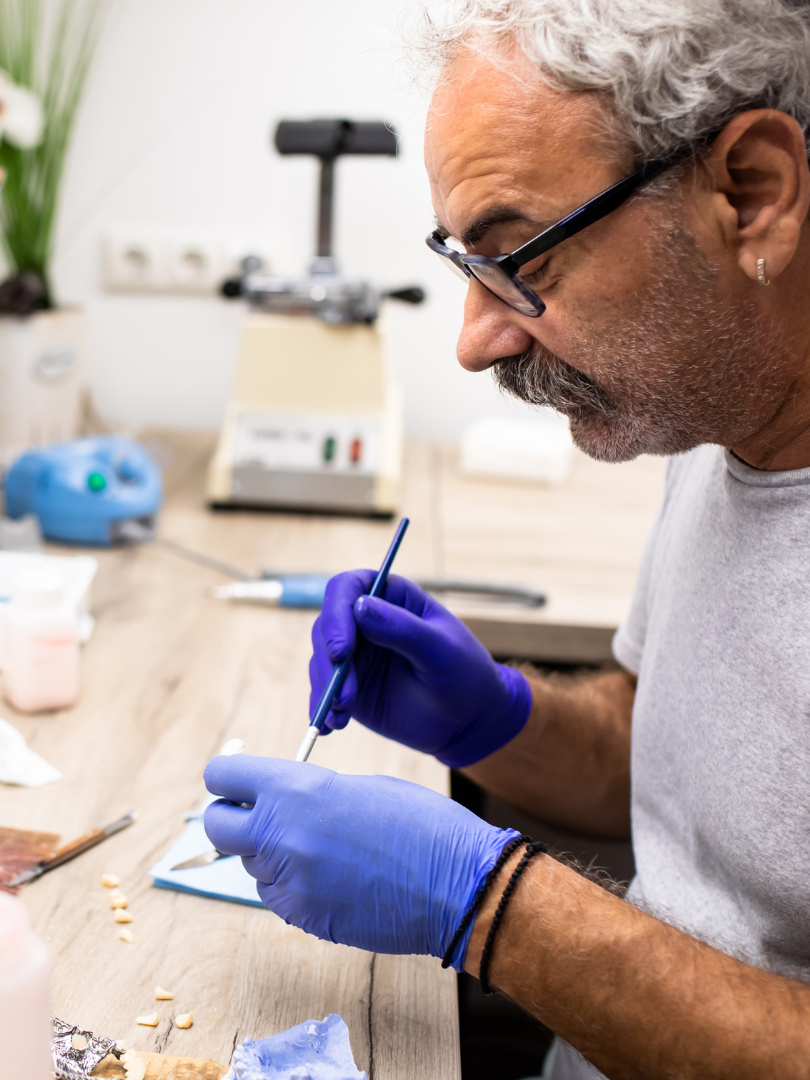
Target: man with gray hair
624	186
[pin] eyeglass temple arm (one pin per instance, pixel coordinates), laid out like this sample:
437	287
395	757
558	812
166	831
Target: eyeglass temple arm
598	207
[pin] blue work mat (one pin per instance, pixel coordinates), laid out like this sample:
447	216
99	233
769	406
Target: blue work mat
225	879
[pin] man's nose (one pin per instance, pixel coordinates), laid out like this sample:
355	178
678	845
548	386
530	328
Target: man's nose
490	332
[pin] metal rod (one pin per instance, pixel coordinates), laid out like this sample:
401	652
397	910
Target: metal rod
325	201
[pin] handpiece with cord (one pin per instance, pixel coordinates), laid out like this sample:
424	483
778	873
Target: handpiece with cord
332	688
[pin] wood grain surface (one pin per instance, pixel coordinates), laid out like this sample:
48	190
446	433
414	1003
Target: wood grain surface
171	674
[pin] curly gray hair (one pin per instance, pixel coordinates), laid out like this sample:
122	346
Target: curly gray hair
673	71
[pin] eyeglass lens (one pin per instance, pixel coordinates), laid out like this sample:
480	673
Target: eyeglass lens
499	283
493	279
456	267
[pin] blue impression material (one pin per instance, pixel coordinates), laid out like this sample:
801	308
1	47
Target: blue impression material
314	1050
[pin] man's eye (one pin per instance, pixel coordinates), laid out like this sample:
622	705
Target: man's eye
537	275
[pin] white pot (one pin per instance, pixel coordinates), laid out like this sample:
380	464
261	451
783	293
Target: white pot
41	369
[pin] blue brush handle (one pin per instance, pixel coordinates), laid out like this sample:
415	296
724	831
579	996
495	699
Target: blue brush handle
331	692
342	669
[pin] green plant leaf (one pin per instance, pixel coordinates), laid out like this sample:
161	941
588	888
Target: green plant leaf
47	48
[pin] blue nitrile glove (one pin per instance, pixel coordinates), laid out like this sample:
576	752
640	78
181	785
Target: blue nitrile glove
369	861
419	676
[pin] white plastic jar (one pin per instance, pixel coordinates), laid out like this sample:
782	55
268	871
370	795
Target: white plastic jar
25	997
40	645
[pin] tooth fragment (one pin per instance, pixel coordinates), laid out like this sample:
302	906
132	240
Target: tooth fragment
184	1020
118	900
135	1069
150	1020
163	995
110	881
122	916
127	936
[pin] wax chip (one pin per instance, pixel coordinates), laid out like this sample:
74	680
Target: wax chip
150	1020
122	916
118	900
163	995
127	936
184	1020
110	881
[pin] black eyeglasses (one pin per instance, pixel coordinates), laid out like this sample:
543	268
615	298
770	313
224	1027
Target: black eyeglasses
500	275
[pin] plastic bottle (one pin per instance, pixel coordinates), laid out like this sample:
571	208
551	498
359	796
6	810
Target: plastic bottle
25	997
41	645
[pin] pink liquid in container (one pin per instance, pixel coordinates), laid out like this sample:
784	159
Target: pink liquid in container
40	645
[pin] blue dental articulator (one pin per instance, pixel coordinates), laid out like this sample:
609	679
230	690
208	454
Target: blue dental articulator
95	491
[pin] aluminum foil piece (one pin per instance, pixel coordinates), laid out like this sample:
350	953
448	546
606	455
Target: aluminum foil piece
72	1064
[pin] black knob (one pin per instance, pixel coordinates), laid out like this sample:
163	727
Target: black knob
410	294
232	288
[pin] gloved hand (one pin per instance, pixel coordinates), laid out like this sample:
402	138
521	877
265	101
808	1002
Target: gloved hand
418	675
369	861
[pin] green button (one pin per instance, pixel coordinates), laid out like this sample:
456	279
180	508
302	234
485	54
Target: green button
96	481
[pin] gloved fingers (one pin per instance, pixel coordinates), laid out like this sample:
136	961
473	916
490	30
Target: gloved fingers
227	826
403	593
238	778
269	896
392	627
336	622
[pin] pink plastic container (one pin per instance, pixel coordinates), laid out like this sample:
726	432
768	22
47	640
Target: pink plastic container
25	997
40	646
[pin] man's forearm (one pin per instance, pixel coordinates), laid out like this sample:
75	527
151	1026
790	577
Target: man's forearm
571	763
635	996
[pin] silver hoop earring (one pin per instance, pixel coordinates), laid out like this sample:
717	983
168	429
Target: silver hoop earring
761	272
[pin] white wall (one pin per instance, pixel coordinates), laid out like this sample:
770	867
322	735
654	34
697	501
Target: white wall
175	133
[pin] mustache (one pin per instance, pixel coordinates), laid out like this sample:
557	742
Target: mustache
542	378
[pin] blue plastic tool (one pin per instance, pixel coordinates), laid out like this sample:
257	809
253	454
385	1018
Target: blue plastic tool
342	669
86	491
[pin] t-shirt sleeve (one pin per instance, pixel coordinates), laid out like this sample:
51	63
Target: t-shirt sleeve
628	641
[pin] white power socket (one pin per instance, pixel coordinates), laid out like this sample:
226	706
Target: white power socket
196	266
145	260
132	263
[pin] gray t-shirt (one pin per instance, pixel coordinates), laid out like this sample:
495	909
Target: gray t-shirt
719	636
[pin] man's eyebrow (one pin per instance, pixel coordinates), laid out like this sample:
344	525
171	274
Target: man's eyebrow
495	215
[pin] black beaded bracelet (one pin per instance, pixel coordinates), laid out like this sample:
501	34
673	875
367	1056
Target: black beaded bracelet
512	846
534	847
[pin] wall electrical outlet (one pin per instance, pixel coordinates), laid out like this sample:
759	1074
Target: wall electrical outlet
195	266
138	260
132	263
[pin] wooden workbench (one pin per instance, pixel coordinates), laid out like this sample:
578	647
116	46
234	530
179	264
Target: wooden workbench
171	673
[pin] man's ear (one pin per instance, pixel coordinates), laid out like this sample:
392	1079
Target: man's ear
760	168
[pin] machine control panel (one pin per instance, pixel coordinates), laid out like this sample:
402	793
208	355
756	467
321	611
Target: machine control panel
309	442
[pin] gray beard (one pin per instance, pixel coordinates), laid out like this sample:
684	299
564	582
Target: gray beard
549	381
678	368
